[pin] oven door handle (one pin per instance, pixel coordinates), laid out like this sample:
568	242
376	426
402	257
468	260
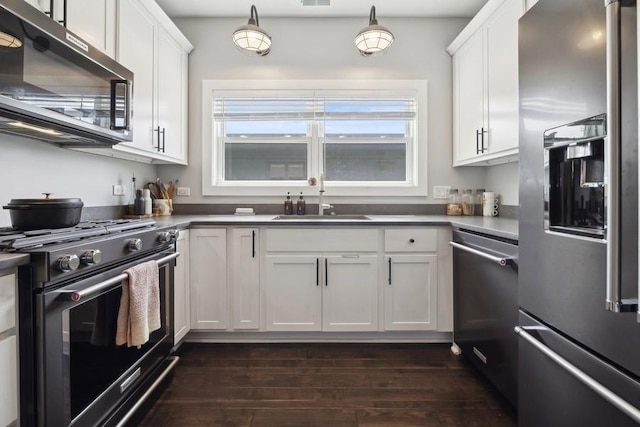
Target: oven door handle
75	296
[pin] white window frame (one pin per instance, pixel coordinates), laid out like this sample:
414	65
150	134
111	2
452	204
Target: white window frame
213	157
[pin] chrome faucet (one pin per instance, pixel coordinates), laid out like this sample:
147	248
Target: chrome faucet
321	205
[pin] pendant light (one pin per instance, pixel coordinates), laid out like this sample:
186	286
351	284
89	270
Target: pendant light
7	40
375	39
251	39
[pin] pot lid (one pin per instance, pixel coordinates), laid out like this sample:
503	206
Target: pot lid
47	201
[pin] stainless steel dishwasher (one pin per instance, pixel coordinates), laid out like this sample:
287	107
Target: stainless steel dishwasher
485	295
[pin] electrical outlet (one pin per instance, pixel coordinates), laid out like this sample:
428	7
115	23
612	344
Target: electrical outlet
118	190
184	191
441	191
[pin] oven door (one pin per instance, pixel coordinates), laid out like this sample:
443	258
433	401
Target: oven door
83	375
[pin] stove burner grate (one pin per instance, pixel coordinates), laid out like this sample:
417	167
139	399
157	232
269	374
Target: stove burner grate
12	239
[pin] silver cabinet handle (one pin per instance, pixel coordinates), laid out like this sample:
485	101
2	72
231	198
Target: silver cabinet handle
624	406
502	262
78	295
614	301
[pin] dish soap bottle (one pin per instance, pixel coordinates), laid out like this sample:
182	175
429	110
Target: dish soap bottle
300	206
288	205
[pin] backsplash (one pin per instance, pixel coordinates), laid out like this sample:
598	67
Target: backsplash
31	168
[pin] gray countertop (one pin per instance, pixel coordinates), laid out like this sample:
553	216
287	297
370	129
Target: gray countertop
12	260
500	227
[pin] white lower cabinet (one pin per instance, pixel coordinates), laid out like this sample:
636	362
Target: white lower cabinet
350	293
9	383
208	266
293	293
411	292
411	279
244	278
181	293
322	293
8	350
305	279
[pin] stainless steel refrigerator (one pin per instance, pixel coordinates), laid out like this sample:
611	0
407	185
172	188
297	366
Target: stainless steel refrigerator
579	330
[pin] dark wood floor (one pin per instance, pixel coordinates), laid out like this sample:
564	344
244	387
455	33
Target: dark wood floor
326	385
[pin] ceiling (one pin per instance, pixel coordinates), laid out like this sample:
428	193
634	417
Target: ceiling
338	8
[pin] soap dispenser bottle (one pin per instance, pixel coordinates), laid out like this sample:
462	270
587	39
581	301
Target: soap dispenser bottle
300	205
288	205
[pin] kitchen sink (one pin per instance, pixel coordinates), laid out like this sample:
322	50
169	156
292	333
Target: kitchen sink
322	217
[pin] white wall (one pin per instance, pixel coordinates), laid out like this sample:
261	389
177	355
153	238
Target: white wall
305	48
30	168
503	180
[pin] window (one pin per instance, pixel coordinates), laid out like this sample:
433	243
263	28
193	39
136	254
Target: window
257	141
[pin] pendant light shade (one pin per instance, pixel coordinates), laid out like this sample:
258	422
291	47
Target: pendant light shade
7	40
375	39
251	39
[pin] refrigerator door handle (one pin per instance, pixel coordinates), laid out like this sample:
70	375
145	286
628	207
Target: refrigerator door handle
614	301
615	400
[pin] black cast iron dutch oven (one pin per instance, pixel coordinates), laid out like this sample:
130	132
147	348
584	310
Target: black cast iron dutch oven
35	214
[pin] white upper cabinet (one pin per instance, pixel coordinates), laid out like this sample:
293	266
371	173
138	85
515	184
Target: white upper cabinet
136	51
94	21
151	46
485	80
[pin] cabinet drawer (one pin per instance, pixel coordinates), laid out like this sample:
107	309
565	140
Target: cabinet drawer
7	302
322	240
410	240
9	383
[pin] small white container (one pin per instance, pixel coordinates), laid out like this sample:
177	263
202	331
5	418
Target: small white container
146	195
489	204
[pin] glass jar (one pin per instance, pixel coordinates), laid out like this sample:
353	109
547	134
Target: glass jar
468	202
478	200
454	207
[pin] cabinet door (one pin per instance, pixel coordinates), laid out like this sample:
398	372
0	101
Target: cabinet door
7	302
136	51
182	316
245	278
172	89
350	293
410	300
502	77
94	21
9	383
294	294
208	273
469	99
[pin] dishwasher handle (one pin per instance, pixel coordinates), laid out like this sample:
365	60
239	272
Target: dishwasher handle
501	261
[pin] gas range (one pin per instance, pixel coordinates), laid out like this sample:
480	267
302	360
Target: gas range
66	253
69	305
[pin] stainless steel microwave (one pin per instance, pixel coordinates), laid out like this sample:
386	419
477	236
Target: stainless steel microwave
56	87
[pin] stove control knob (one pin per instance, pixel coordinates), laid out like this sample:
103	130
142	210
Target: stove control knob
167	236
68	263
91	257
134	245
